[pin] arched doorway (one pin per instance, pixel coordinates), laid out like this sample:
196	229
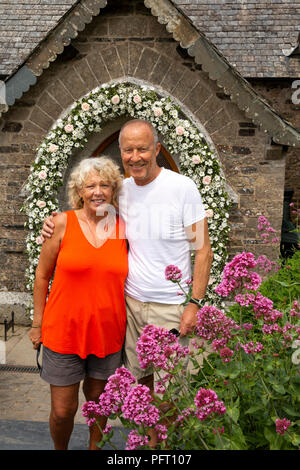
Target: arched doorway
110	148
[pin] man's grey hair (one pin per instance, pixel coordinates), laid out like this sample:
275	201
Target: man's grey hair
140	121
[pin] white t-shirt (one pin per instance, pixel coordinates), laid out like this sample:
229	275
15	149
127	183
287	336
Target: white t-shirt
155	215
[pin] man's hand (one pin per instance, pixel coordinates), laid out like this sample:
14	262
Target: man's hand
48	227
188	319
35	337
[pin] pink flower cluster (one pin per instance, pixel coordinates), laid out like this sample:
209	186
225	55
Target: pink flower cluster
295	311
237	275
265	227
213	325
282	425
137	406
251	348
158	348
264	263
207	402
136	440
173	273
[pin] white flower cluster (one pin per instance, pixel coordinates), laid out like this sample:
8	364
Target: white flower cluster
87	116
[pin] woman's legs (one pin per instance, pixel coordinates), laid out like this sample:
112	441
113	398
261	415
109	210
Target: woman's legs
64	404
92	389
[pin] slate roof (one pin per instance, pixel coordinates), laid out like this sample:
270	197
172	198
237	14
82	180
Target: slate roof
23	25
255	36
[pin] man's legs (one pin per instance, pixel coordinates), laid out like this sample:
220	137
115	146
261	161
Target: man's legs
64	404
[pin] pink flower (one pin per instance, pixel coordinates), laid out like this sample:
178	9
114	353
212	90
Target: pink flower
115	99
53	148
251	348
237	274
282	425
196	159
207	402
162	432
69	128
137	99
135	440
39	240
157	347
206	180
209	213
226	354
137	406
180	130
157	111
41	204
43	175
173	273
213	324
107	429
85	106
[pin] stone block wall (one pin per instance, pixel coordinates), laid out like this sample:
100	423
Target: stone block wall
126	42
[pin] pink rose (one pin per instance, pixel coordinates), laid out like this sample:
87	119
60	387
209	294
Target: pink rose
206	180
137	99
196	159
41	204
179	130
53	148
209	213
157	112
69	128
115	99
39	240
85	106
43	175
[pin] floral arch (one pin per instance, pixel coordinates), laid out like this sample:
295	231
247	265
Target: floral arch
181	136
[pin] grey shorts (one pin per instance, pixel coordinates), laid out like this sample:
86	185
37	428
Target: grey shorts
68	369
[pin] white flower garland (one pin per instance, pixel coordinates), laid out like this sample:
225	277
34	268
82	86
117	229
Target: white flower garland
181	136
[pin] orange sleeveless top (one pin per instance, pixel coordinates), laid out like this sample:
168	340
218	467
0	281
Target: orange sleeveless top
85	312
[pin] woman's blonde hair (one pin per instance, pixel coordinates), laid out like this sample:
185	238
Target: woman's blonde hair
108	171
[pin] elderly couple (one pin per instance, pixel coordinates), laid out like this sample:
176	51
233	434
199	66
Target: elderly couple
100	299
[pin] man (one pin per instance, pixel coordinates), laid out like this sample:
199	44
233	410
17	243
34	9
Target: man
164	215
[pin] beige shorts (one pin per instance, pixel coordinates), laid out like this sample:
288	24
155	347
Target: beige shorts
140	314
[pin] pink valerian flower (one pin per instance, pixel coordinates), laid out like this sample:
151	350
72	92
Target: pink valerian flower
251	348
117	388
207	402
90	409
185	413
137	406
107	429
212	324
158	348
295	311
226	354
264	263
136	440
162	432
282	425
173	273
162	384
237	274
247	326
270	329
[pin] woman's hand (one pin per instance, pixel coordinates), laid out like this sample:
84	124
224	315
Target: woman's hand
35	337
48	226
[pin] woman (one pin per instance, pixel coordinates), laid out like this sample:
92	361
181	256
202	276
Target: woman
82	325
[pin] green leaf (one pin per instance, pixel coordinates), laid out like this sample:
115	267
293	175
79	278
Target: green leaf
291	411
253	409
279	388
233	413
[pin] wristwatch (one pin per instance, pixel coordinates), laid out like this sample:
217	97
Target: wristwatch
198	302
